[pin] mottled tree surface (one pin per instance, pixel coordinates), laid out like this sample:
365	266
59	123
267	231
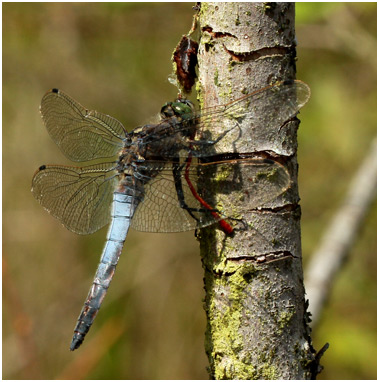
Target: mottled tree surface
257	326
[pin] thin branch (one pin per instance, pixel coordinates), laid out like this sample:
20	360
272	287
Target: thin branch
340	235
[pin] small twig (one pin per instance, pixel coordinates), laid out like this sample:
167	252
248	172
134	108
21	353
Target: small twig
339	237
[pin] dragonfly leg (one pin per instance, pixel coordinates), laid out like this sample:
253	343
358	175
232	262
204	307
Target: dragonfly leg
177	172
206	209
211	142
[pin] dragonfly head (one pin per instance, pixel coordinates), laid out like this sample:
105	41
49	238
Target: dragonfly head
180	108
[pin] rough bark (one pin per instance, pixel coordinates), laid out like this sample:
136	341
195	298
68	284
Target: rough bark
257	326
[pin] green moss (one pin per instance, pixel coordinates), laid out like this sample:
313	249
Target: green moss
223	173
266	6
215	78
226	286
199	94
284	319
233	63
206	39
269	372
226	94
272	175
204	9
224	341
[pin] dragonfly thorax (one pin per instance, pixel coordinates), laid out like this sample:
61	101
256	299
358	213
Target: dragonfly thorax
180	115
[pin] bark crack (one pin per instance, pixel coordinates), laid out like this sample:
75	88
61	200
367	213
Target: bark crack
259	53
286	208
265	257
209	29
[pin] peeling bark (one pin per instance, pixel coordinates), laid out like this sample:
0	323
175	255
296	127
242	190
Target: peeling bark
257	325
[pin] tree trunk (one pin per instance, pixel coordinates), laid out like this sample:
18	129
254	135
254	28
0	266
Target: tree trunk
257	325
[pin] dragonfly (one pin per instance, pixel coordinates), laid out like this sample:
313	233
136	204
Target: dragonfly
157	177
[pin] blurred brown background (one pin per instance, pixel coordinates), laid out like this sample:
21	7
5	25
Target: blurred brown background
115	58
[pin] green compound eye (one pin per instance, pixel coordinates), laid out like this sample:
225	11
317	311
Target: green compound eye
177	108
181	108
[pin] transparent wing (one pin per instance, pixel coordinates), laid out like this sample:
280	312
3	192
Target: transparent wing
81	134
169	205
80	197
165	194
265	109
282	101
260	112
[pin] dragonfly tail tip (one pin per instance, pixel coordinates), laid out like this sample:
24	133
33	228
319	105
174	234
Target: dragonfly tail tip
77	340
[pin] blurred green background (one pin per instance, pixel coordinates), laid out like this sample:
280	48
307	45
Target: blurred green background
115	58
